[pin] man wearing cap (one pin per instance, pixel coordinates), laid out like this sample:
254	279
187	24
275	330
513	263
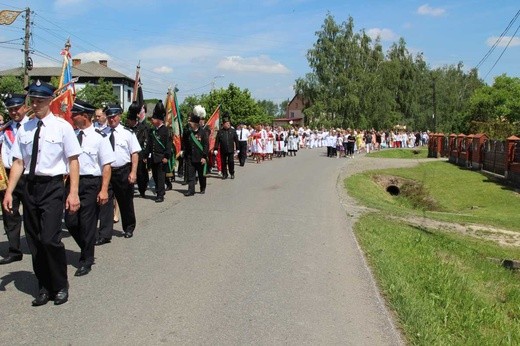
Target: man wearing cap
124	169
227	141
13	221
45	150
196	147
94	178
159	150
141	130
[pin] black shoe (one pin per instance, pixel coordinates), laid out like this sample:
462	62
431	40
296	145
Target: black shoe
42	299
83	270
188	194
101	241
224	177
142	195
169	187
159	200
128	234
232	176
202	192
10	259
61	297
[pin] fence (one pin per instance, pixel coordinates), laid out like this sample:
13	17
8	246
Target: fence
478	152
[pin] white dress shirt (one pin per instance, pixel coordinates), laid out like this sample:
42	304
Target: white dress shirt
7	139
57	143
97	152
126	144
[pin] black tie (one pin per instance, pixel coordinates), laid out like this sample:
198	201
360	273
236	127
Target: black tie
241	133
18	125
112	139
80	137
34	155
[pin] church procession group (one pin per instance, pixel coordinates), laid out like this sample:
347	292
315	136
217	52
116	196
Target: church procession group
84	171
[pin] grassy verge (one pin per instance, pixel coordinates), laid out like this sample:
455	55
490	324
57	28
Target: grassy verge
460	195
398	153
442	286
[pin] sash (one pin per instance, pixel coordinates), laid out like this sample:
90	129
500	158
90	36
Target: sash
171	161
200	147
9	135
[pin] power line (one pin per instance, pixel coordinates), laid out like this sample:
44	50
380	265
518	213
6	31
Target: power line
498	40
503	51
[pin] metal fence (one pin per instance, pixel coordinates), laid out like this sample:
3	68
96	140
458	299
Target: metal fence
494	157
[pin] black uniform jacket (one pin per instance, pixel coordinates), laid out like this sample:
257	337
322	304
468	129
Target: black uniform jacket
191	150
159	144
226	140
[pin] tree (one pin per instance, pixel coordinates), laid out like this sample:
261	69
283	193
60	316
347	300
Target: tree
98	94
269	107
11	84
238	103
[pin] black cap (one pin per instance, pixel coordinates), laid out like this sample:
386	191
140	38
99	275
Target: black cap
133	111
194	119
159	112
81	107
113	110
14	100
40	90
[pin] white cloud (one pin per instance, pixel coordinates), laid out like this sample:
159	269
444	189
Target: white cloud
92	56
163	69
261	64
515	41
384	34
179	54
426	10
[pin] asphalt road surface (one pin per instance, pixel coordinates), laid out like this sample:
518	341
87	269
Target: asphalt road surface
267	258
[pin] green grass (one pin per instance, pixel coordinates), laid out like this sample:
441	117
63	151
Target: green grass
442	286
461	195
398	153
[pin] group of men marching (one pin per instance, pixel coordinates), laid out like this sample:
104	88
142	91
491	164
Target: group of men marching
73	173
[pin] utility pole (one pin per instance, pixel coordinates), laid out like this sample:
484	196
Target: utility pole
26	46
434	105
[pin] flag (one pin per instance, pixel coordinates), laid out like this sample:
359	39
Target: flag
66	93
173	120
214	124
138	92
7	17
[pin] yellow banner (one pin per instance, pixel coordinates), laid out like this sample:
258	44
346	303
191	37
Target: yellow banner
8	17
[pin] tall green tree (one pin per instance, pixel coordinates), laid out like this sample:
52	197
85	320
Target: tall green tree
98	94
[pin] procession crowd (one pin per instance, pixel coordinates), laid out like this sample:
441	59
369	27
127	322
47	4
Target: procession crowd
85	173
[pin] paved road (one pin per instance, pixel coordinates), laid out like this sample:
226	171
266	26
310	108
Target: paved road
267	258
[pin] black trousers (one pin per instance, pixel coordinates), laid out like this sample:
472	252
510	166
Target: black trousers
242	155
82	224
159	177
227	163
195	168
44	199
142	176
106	216
13	221
124	194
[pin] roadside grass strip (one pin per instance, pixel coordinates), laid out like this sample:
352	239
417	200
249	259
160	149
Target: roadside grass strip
401	153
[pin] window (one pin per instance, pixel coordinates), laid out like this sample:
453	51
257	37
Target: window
129	95
292	115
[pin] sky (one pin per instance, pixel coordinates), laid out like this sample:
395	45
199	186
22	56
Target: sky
256	45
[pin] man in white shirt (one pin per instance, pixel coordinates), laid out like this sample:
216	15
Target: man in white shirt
46	149
13	221
243	134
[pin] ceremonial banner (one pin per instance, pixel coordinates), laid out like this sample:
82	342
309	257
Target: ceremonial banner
8	17
66	93
214	124
173	120
138	93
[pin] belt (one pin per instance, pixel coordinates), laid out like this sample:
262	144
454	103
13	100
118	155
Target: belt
46	179
115	169
89	176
